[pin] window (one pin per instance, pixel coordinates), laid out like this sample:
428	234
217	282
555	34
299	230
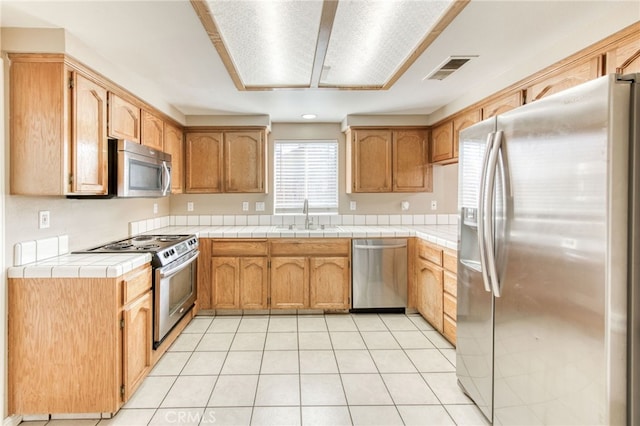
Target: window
306	170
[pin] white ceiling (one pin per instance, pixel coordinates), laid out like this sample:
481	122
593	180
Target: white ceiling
163	41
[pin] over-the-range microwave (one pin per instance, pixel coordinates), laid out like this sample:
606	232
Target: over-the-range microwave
135	170
139	170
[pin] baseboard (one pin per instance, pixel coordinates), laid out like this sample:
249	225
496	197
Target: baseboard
14	420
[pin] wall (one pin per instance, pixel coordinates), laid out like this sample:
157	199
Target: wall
445	181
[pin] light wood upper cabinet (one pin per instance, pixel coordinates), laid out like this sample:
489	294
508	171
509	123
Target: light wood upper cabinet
58	134
502	104
225	161
411	172
371	162
89	153
564	78
244	161
174	145
388	160
152	131
624	58
124	119
461	122
203	152
442	142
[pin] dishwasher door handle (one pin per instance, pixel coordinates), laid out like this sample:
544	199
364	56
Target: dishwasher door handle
379	247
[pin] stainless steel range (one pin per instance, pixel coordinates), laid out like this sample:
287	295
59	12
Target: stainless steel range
174	275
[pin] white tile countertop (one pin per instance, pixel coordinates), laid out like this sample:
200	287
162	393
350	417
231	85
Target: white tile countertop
90	265
84	265
442	235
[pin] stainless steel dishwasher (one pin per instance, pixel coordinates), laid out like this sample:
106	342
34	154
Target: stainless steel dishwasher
379	275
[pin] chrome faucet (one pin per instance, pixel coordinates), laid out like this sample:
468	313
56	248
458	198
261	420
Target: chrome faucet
305	211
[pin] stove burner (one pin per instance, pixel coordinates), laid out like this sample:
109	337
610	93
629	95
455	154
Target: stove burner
143	238
147	247
168	238
118	246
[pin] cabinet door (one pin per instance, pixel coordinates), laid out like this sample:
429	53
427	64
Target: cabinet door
502	104
225	286
203	172
124	119
89	137
244	161
137	340
174	146
371	161
289	283
329	283
564	78
460	123
253	283
152	131
442	142
430	292
410	161
625	57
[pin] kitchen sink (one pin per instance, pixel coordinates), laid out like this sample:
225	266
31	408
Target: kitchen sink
300	228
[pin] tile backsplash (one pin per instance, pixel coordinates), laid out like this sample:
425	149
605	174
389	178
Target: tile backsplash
31	251
148	225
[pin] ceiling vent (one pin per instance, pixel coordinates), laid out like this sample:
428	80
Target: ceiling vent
448	67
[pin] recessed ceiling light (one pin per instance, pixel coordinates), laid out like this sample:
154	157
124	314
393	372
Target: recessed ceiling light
309	116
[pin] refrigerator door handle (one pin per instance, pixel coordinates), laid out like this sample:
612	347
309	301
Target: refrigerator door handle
481	223
488	214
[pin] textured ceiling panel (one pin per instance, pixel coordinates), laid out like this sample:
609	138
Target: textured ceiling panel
272	43
371	39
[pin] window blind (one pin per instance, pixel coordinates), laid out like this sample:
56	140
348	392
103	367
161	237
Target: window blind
306	170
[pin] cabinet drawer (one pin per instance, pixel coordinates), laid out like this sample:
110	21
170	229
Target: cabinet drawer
449	329
450	304
430	252
450	260
135	284
450	283
239	248
310	247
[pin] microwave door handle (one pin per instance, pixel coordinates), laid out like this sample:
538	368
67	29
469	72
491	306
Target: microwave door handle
167	186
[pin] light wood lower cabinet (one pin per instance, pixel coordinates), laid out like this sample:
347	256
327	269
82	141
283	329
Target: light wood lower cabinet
289	283
310	273
239	274
137	338
429	287
436	287
329	283
77	345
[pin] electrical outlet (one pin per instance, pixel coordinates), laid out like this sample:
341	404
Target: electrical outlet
259	206
44	219
434	205
189	206
352	205
404	205
245	206
155	208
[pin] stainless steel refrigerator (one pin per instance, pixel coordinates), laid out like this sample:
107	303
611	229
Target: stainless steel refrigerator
547	326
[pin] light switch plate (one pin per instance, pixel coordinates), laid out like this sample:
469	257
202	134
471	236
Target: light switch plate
352	205
245	206
259	206
189	206
434	205
405	205
155	208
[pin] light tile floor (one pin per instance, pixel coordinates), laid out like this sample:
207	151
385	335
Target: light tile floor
354	369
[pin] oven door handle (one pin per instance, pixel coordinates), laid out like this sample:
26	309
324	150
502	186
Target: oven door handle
172	271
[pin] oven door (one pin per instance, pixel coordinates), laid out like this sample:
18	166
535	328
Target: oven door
174	294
